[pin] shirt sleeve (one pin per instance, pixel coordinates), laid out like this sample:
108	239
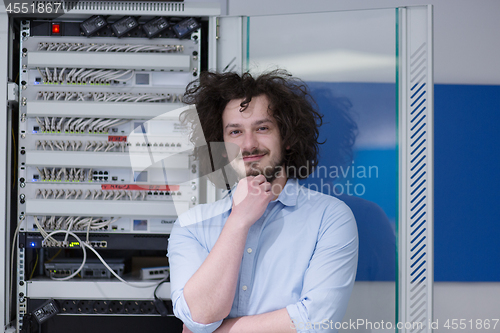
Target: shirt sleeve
185	255
329	279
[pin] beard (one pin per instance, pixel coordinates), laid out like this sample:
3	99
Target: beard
271	171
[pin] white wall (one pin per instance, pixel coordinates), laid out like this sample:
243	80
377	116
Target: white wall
467	50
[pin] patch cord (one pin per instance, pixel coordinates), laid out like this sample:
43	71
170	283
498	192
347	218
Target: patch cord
96	47
68	174
95	146
77	223
74	194
85	75
78	125
107	97
48	239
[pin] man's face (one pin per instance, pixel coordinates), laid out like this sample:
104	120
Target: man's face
256	134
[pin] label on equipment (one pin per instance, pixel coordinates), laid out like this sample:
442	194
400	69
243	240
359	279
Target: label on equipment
135	187
117	138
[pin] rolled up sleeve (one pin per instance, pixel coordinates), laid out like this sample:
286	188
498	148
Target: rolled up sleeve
329	279
185	254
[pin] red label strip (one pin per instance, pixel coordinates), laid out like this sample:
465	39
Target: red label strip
117	138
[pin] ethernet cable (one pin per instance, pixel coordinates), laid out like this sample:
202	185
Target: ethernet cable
115	274
88	145
61	193
111	145
100	225
49	74
98	194
68	194
44	77
69	76
99	146
84	124
69	226
137	195
83	245
43	232
111	122
59	124
118	77
93	124
50	224
121	194
56	143
79	225
58	177
107	195
59	222
61	78
66	125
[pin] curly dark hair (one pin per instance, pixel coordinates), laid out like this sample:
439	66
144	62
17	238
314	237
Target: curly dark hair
290	103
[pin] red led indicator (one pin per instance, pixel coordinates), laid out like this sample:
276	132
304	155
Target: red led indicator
56	28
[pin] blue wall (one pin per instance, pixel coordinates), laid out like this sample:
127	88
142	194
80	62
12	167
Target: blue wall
467	167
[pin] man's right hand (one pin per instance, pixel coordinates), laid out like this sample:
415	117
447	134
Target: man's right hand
251	198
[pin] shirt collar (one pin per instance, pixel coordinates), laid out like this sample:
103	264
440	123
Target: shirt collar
287	197
290	192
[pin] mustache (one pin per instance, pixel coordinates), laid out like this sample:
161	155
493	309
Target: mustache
254	152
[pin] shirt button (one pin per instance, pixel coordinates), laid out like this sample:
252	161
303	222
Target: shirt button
244	287
249	250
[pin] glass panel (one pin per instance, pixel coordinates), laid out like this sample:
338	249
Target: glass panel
347	60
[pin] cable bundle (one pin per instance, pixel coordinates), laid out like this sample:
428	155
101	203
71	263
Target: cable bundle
84	75
106	97
74	194
58	174
78	125
95	47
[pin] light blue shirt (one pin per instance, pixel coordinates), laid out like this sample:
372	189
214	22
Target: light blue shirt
300	255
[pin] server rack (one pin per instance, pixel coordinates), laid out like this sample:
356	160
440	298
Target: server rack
100	158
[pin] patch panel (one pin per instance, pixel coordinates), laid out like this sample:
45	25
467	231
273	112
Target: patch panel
118	225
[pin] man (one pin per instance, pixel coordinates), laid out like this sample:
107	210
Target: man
272	256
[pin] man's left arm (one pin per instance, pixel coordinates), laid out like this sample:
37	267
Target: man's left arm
271	322
328	283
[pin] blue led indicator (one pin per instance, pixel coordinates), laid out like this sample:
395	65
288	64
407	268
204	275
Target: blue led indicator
32	244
